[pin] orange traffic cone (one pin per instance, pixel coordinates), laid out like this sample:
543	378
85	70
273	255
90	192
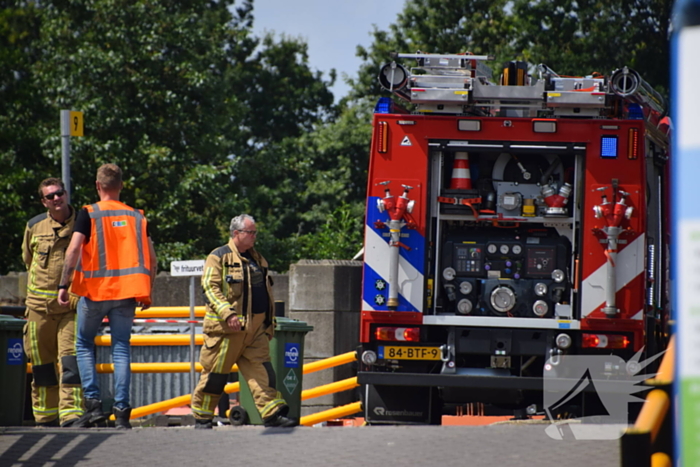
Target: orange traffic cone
461	177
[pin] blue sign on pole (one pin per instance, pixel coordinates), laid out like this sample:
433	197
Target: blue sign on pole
292	355
15	352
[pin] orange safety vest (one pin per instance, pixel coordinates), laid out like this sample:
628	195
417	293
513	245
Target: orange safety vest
114	264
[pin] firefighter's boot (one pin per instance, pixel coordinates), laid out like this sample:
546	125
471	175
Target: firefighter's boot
93	414
203	423
280	419
122	418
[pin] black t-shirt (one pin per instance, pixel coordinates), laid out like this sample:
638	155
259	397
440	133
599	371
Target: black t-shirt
261	301
82	224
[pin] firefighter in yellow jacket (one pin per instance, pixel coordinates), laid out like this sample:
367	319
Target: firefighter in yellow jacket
237	327
50	332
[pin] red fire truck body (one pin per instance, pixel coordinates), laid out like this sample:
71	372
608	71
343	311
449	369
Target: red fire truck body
507	225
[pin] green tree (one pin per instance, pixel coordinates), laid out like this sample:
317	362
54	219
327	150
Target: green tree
580	37
20	145
306	180
179	94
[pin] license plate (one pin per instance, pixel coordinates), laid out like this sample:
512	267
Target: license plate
409	353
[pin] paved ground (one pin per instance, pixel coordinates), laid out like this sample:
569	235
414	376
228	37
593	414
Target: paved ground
502	445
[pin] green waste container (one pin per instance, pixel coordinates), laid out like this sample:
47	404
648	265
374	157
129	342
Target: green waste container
13	371
287	356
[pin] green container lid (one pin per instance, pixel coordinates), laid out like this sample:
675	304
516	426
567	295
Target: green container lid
289	324
11	323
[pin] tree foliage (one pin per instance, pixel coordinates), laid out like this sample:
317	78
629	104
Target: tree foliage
179	94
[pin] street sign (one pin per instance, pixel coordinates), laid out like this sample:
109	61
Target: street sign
193	267
76	123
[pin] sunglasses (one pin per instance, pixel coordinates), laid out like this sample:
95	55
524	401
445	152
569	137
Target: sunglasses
58	193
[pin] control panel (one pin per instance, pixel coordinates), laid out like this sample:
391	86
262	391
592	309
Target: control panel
519	273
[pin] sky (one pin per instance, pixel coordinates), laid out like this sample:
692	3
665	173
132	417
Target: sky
331	28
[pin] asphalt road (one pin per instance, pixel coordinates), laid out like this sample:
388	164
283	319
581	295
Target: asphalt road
502	445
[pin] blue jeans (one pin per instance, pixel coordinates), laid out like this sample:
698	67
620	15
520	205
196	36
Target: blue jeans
90	315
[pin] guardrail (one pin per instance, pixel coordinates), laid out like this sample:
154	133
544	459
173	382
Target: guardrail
184	367
308	420
649	443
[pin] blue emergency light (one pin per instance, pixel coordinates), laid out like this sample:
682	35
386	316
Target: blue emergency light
608	147
384	106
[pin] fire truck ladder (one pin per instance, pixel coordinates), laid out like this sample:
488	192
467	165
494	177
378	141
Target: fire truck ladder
460	84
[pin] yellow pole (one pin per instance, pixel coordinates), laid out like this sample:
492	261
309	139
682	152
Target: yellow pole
330	362
159	406
171	403
166	339
232	387
331	388
170	312
330	414
660	459
653	412
665	374
167	367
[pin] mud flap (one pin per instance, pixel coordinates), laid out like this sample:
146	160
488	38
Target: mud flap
401	405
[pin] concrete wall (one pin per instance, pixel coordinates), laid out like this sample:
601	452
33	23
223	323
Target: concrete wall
326	295
167	291
13	288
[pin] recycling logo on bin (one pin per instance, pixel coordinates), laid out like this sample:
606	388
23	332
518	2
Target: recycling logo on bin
14	351
291	381
291	355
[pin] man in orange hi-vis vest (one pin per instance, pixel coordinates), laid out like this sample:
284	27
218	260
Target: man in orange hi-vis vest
115	274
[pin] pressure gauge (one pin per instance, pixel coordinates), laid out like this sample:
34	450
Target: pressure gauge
448	274
464	307
540	308
540	289
492	248
502	299
504	249
558	275
465	288
517	249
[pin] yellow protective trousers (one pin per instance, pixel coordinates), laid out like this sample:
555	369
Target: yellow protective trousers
250	350
49	342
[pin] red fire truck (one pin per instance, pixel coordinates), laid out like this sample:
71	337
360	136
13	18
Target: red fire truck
508	224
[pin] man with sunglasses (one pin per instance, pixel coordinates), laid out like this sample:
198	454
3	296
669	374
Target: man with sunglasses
50	332
238	325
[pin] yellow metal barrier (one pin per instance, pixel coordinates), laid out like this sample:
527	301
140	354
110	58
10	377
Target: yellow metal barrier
161	339
331	388
665	373
638	443
660	459
161	367
235	387
170	312
167	367
330	362
184	367
172	403
330	414
653	412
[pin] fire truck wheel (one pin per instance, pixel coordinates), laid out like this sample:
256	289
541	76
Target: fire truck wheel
238	416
